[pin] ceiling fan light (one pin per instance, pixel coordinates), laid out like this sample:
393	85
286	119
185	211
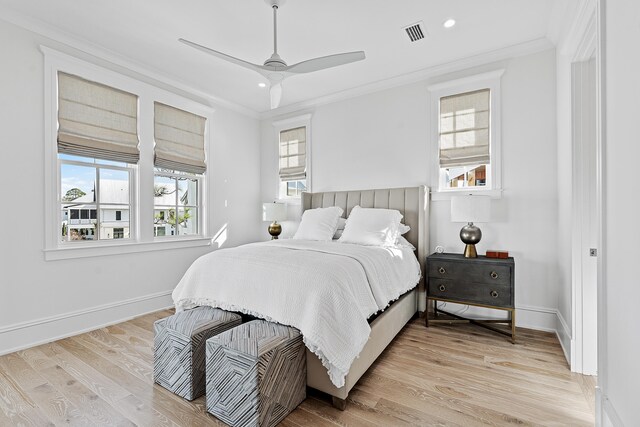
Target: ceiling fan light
275	92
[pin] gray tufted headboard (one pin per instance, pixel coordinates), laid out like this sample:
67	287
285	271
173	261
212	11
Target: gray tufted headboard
412	202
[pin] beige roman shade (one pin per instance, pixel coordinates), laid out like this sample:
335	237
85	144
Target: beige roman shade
95	120
293	154
464	129
179	137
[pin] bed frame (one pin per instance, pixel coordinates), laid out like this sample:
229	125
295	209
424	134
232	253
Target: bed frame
413	204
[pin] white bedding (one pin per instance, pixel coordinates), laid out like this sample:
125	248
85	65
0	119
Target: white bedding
327	290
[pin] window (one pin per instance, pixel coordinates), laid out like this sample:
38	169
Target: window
89	186
99	124
176	203
180	163
466	141
293	157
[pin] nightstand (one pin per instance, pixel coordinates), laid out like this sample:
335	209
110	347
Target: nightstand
482	282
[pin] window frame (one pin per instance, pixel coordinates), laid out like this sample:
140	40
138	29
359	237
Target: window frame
492	81
141	221
283	125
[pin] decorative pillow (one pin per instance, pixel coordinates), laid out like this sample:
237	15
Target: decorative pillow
318	224
372	227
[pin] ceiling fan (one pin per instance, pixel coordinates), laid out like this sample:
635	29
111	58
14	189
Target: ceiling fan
274	68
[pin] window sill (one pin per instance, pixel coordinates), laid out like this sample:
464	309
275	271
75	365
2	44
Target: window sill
448	194
291	201
95	250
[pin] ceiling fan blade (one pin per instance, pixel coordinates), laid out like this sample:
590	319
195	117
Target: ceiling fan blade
275	91
258	68
324	62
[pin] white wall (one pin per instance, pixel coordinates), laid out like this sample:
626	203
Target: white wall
41	300
382	140
619	346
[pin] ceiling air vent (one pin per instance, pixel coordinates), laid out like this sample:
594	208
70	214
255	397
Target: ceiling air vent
415	31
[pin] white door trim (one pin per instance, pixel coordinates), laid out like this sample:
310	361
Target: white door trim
585	147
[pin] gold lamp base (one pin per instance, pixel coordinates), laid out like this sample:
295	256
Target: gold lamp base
470	251
275	229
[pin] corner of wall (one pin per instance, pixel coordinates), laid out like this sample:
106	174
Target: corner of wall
563	332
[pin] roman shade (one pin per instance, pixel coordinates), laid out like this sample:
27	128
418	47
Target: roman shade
179	137
293	154
464	129
97	121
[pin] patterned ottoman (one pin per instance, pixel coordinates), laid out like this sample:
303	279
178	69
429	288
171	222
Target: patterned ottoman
179	348
256	374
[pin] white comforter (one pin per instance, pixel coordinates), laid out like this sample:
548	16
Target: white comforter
327	290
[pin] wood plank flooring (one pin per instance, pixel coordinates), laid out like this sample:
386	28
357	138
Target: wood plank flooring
449	375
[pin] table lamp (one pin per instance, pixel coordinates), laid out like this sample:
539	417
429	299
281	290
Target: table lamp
274	212
470	209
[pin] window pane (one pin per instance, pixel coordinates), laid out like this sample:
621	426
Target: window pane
187	221
466	176
187	191
114	186
77	222
110	224
164	191
77	183
164	221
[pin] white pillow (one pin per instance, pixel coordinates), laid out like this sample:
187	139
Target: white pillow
372	227
403	229
318	224
404	243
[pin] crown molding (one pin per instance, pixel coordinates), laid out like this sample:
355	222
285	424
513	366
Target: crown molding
99	53
509	52
580	19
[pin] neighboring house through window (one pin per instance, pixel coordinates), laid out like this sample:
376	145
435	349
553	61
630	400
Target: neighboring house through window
466	134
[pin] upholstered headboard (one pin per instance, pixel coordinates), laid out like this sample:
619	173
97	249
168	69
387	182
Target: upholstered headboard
412	202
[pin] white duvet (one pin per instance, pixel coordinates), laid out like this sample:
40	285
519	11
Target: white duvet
327	290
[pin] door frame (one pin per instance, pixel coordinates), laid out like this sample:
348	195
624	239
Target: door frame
587	49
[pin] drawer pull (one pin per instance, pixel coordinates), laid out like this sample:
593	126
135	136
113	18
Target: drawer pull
441	270
494	275
494	294
442	288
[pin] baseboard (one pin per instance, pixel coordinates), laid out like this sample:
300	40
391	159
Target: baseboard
606	414
564	336
19	336
530	317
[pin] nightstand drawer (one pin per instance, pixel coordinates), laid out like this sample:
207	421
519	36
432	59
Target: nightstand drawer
470	272
494	294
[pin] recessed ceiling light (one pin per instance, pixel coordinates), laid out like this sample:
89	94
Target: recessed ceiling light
449	23
262	84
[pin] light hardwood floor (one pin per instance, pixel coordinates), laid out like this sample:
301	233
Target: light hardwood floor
458	375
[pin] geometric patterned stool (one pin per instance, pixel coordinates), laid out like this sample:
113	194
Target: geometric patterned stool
256	373
179	348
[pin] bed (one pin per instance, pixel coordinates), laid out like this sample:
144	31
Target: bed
413	204
327	290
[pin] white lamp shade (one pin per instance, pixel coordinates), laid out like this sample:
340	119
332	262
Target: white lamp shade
470	209
274	211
